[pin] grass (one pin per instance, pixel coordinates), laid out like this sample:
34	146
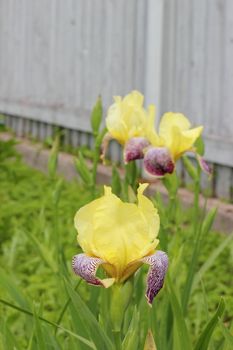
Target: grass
38	240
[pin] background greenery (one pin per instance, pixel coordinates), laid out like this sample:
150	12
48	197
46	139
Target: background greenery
45	306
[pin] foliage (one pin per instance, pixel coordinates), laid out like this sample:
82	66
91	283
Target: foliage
45	306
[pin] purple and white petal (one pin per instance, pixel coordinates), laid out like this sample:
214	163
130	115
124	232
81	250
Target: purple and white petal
86	267
158	161
204	165
134	148
158	267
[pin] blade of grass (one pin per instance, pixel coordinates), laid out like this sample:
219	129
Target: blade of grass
13	290
181	335
204	338
44	252
39	335
228	335
66	306
9	340
209	262
131	339
94	329
78	326
27	312
203	230
43	334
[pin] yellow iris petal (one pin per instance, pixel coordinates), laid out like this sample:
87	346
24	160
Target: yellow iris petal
117	232
126	118
175	131
169	121
151	133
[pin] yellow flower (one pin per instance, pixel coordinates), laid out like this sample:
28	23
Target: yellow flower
119	236
173	139
174	134
127	118
118	233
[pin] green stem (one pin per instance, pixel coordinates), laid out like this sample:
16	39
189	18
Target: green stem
196	202
197	227
94	170
117	339
97	150
130	179
172	207
55	230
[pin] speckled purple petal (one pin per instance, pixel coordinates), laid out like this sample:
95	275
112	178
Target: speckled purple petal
204	165
158	161
134	148
158	267
86	267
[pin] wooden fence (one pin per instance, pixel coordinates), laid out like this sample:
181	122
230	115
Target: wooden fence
56	57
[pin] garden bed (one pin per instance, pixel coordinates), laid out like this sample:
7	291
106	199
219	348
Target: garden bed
38	240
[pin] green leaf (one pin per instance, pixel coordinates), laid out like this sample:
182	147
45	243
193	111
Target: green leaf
208	222
78	326
202	232
44	252
181	335
57	191
39	333
6	282
210	261
96	116
66	305
131	173
192	171
99	138
171	183
83	169
9	340
200	146
131	339
53	157
96	333
204	338
29	313
228	335
116	181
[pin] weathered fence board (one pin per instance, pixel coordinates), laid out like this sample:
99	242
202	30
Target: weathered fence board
198	73
57	56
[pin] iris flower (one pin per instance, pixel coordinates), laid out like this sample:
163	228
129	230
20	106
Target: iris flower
127	121
120	237
174	138
126	118
134	128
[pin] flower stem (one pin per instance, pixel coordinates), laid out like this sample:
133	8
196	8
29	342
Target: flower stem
117	339
196	201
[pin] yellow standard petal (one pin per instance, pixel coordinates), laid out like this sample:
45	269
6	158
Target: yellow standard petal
119	233
175	131
151	133
126	118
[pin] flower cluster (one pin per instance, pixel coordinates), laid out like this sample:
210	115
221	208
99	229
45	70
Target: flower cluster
133	127
120	236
